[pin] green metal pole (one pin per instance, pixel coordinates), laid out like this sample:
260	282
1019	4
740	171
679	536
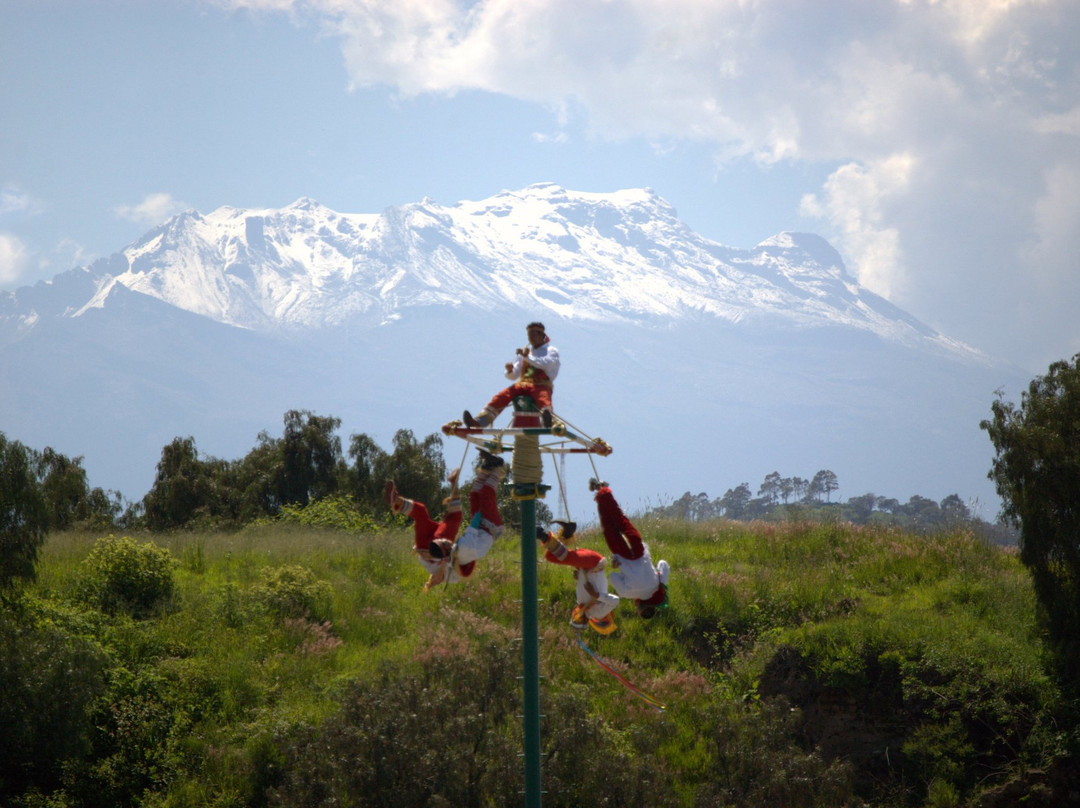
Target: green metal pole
530	652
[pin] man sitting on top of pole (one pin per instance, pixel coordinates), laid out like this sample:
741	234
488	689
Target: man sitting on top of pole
533	370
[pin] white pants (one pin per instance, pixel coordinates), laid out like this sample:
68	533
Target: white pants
605	603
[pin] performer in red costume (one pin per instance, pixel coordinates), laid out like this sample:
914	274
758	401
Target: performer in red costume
594	604
445	556
634	575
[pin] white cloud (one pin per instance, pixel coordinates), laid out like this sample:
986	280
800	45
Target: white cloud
1056	243
14	199
854	201
555	137
14	259
153	210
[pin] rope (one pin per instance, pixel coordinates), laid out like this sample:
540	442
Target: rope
560	473
464	454
588	437
528	466
659	705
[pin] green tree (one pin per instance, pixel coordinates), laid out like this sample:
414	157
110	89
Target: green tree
1036	470
770	487
69	498
787	488
954	512
50	678
799	487
735	500
24	516
417	466
923	511
252	481
185	488
691	508
311	459
824	482
362	478
861	507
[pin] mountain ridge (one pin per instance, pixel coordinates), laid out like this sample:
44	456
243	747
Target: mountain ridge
702	365
623	255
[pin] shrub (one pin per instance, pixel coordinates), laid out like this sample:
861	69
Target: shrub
135	727
336	512
450	734
759	761
293	591
440	737
49	677
122	575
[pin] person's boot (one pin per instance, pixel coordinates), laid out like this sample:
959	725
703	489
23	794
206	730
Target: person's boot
481	420
547	418
552	544
490	461
566	529
393	499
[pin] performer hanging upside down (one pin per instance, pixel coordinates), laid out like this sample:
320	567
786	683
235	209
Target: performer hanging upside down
594	604
533	370
634	575
446	557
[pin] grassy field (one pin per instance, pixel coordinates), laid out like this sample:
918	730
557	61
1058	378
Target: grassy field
801	665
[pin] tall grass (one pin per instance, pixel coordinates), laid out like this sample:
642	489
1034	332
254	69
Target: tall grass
764	619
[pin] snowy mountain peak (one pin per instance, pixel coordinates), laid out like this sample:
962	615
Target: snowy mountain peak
619	256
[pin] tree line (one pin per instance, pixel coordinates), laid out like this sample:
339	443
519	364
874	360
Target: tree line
43	491
796	497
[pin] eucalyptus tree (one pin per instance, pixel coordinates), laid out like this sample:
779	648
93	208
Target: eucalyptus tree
1036	470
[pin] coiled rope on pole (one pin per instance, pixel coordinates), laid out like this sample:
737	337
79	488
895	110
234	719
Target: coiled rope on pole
528	466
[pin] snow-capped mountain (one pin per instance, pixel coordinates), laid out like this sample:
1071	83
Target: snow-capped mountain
621	256
709	365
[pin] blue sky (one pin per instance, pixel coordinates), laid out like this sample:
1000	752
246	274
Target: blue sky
935	143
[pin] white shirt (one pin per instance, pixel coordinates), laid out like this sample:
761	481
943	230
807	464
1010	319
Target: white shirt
545	358
636	578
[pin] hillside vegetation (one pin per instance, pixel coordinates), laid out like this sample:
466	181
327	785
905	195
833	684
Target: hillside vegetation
801	665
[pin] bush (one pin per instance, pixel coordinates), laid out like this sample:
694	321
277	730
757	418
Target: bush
49	678
759	761
136	724
294	591
122	575
339	513
450	734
